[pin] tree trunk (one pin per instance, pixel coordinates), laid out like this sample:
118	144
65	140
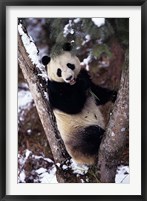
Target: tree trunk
47	118
113	143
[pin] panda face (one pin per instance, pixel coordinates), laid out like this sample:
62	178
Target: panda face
64	68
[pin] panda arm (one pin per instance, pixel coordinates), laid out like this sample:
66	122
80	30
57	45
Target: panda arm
84	79
103	95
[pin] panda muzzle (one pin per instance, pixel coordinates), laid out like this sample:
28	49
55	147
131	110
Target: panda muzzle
71	80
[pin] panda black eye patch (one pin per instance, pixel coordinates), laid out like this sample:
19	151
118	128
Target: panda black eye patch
59	72
71	66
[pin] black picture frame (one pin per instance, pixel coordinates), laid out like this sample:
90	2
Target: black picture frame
3	116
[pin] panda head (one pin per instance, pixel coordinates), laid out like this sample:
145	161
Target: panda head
63	67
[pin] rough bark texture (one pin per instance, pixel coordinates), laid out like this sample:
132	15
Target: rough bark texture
114	141
46	116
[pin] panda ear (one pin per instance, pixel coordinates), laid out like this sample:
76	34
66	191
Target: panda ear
45	60
67	46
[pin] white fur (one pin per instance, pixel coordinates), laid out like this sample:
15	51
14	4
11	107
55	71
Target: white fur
61	62
70	125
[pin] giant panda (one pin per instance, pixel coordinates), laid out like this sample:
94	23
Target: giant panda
76	105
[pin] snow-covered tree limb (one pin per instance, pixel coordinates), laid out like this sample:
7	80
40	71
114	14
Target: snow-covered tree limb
30	72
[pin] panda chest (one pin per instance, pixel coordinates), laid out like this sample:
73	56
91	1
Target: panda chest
74	100
68	99
90	115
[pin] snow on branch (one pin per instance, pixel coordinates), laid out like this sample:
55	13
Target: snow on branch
98	21
32	51
28	62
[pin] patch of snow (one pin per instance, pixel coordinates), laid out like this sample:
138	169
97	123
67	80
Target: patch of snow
87	179
82	181
77	20
35	28
22	176
22	158
58	164
49	178
78	168
112	134
46	96
123	129
33	54
43	175
100	41
40	157
21	161
40	171
86	62
31	50
29	45
98	21
27	154
46	176
68	29
87	39
49	175
43	75
29	131
78	47
25	100
122	175
64	167
48	160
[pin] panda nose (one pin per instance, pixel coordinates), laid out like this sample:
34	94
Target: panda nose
69	78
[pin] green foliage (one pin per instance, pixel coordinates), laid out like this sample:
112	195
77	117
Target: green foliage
86	36
55	27
97	50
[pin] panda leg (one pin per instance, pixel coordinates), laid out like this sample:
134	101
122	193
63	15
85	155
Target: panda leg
83	148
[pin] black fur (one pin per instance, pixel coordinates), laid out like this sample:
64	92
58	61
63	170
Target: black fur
88	140
103	95
71	66
71	98
59	72
67	98
45	60
67	46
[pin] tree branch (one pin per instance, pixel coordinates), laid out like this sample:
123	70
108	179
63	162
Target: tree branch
114	141
47	118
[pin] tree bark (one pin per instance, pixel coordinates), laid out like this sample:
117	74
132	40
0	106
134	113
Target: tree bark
114	141
47	118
